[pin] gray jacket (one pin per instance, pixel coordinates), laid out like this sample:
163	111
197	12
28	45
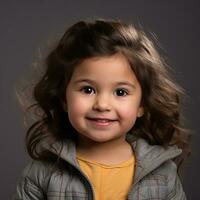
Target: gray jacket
155	176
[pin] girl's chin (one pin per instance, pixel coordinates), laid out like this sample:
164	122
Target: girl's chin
102	139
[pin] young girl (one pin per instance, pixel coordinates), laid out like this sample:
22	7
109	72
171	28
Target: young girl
109	124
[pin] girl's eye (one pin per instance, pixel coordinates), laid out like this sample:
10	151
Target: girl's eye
87	90
121	92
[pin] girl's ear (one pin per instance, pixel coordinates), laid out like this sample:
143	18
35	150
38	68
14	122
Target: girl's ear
140	112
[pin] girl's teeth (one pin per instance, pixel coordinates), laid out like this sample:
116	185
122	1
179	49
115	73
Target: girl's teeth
101	120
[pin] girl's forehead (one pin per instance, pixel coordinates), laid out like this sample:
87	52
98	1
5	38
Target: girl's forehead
115	67
104	64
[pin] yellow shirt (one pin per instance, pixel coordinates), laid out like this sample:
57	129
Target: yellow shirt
110	182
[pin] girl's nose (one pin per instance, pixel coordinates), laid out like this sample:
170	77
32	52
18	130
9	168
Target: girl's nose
102	103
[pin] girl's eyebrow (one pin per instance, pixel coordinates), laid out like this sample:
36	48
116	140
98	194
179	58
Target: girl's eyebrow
127	83
84	80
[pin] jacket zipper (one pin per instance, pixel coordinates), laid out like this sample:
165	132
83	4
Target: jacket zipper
90	187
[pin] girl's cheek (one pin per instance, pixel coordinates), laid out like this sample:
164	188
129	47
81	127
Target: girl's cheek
79	105
128	110
128	114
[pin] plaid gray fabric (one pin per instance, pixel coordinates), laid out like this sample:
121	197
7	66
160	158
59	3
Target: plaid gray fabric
155	176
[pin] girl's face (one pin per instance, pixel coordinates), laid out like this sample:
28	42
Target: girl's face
103	98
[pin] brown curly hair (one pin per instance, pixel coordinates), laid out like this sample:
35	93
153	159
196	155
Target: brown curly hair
161	122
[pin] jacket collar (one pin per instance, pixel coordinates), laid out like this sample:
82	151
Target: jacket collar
148	157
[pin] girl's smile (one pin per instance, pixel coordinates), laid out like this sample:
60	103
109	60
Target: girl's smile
101	123
103	98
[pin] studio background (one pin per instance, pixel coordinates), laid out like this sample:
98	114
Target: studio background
26	27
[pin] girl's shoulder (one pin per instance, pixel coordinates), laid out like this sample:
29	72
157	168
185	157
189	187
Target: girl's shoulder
36	171
33	181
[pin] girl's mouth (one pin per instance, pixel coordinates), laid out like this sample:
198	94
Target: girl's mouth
101	122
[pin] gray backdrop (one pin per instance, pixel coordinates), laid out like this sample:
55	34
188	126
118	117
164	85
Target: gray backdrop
27	25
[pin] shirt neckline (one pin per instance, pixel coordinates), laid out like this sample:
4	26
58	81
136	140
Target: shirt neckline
125	163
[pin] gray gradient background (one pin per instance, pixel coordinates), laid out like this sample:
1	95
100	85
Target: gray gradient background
27	25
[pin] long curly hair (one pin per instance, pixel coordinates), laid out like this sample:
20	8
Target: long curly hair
161	123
